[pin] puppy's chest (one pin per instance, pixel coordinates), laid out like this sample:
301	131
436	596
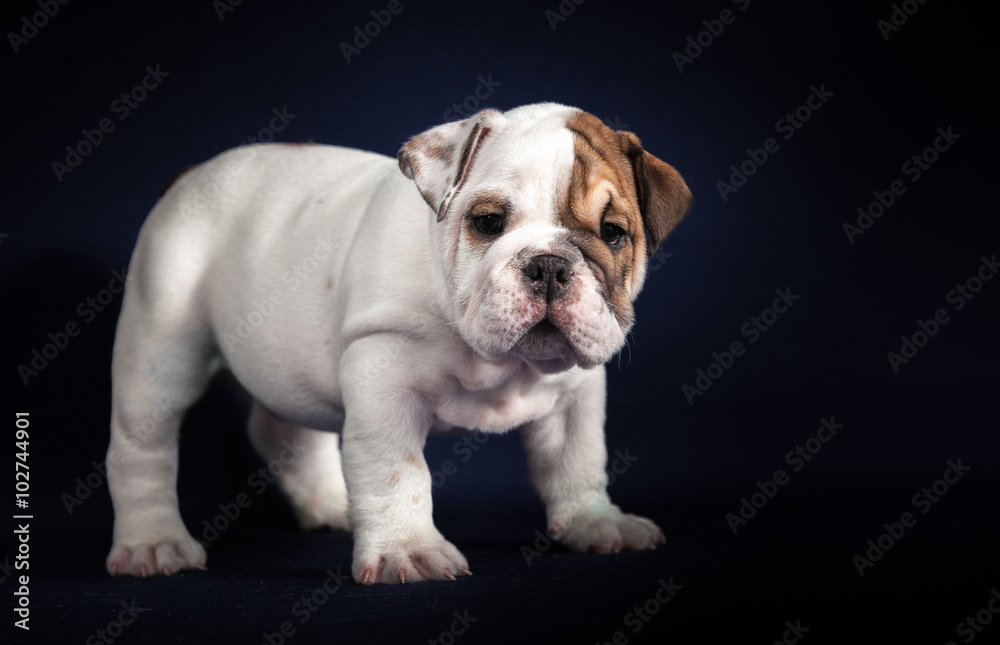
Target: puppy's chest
473	403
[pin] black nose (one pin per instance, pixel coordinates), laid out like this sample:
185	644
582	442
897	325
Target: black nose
547	276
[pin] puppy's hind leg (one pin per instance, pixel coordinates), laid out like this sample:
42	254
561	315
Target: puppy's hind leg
306	463
156	376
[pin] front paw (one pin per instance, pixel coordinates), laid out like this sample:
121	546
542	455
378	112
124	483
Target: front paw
607	530
164	556
398	561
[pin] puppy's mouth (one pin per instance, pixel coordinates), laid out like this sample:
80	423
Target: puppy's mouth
545	328
545	347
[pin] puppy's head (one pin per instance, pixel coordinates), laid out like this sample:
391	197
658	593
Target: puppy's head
543	220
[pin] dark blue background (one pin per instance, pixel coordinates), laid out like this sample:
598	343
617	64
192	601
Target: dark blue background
783	229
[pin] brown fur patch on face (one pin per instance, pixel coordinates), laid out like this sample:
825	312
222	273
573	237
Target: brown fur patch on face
602	191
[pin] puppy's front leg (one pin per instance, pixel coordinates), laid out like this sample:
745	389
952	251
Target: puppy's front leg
389	489
566	460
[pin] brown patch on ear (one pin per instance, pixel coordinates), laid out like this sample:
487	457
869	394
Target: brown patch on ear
439	149
409	166
438	160
664	198
176	177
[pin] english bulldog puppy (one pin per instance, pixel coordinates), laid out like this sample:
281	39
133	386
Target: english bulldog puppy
480	281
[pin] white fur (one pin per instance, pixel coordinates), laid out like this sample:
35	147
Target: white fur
369	318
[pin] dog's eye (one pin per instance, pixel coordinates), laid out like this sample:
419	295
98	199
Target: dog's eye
488	224
612	234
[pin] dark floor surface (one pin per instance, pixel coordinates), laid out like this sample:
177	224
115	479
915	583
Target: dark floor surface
792	563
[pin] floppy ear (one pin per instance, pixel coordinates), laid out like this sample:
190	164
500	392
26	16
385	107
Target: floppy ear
439	160
664	198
